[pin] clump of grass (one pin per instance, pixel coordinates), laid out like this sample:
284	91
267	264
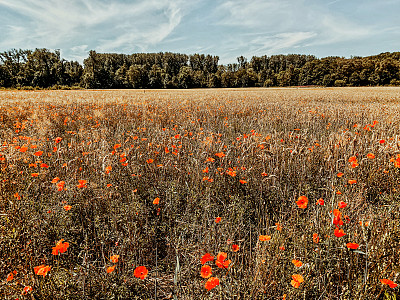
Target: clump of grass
243	156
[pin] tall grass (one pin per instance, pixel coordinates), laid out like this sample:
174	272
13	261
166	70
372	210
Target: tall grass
132	147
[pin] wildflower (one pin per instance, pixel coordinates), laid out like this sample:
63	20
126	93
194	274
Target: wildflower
82	183
297	280
140	272
278	226
211	283
352	181
210	159
221	261
27	289
42	270
242	181
11	275
302	202
67	207
206	257
35	174
60	185
352	159
339	232
217	220
370	156
235	248
340	174
110	269
382	142
23	149
315	238
156	201
58	139
342	204
220	154
60	247
297	263
38	153
114	258
205	271
264	238
108	169
352	245
390	283
320	201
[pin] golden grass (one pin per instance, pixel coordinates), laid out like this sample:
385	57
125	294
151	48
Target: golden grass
131	147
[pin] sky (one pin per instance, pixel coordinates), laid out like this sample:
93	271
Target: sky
218	27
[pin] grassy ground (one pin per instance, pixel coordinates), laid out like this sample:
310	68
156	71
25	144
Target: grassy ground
161	178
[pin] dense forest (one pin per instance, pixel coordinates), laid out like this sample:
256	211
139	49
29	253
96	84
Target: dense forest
43	68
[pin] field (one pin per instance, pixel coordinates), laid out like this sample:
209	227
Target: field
200	194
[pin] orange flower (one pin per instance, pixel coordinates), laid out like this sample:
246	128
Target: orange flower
38	153
354	164
342	204
221	261
340	174
390	283
11	276
370	156
110	269
116	146
302	202
82	183
220	154
352	181
43	165
242	181
337	220
382	141
264	238
217	220
297	263
149	161
315	238
235	248
156	201
23	149
60	185
278	226
352	159
210	159
211	283
205	271
60	247
297	280
108	169
141	272
352	245
339	232
57	140
114	258
27	289
206	257
42	270
67	207
35	174
320	201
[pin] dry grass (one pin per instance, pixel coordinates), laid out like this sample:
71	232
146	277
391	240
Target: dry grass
282	144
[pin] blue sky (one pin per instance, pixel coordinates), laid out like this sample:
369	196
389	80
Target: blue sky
218	27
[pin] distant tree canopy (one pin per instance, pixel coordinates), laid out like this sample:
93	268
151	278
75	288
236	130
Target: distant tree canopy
44	69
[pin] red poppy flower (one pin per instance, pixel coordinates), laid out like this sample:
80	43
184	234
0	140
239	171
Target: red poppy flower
340	174
235	248
211	283
42	270
221	261
205	271
342	204
140	272
60	247
315	238
217	220
156	201
206	257
82	183
38	153
370	156
67	207
111	269
220	154
352	181
382	141
320	201
58	139
297	263
339	232
114	258
27	289
264	238
390	283
352	245
302	202
297	280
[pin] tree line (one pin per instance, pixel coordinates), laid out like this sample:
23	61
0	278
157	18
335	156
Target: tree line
43	68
